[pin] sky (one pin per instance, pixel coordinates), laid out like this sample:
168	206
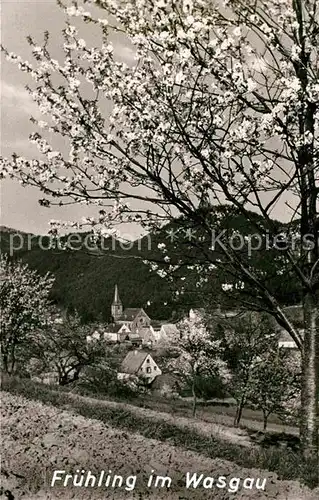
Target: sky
19	18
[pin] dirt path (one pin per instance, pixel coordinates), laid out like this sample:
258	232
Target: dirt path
257	425
223	432
40	439
217	413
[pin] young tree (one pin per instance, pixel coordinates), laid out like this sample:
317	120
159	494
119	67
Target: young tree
246	339
63	348
199	355
274	384
219	105
23	304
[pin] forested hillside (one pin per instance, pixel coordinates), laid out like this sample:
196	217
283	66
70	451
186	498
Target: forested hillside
85	279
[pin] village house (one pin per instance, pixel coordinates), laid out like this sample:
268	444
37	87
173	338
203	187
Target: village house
156	326
285	340
295	316
139	363
134	318
199	313
196	314
96	335
135	339
117	333
167	334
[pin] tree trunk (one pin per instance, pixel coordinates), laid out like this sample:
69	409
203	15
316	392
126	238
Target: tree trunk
13	360
239	412
306	169
63	379
265	422
310	381
8	360
5	362
194	399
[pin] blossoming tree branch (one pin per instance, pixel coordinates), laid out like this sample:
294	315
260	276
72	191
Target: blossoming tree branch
219	105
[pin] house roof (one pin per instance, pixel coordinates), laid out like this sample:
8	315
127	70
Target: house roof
133	361
170	329
284	336
130	313
112	328
156	323
146	334
133	336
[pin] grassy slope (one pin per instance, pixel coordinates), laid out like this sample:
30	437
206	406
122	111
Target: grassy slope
41	438
287	464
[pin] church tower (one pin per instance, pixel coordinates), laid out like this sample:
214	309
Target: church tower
116	308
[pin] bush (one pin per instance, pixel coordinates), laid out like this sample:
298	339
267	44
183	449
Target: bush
210	387
122	390
96	379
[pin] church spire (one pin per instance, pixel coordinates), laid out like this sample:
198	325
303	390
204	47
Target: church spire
116	308
116	296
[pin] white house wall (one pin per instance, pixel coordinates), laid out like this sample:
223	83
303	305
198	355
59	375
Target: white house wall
154	369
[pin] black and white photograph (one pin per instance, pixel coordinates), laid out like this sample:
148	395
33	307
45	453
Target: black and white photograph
159	250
